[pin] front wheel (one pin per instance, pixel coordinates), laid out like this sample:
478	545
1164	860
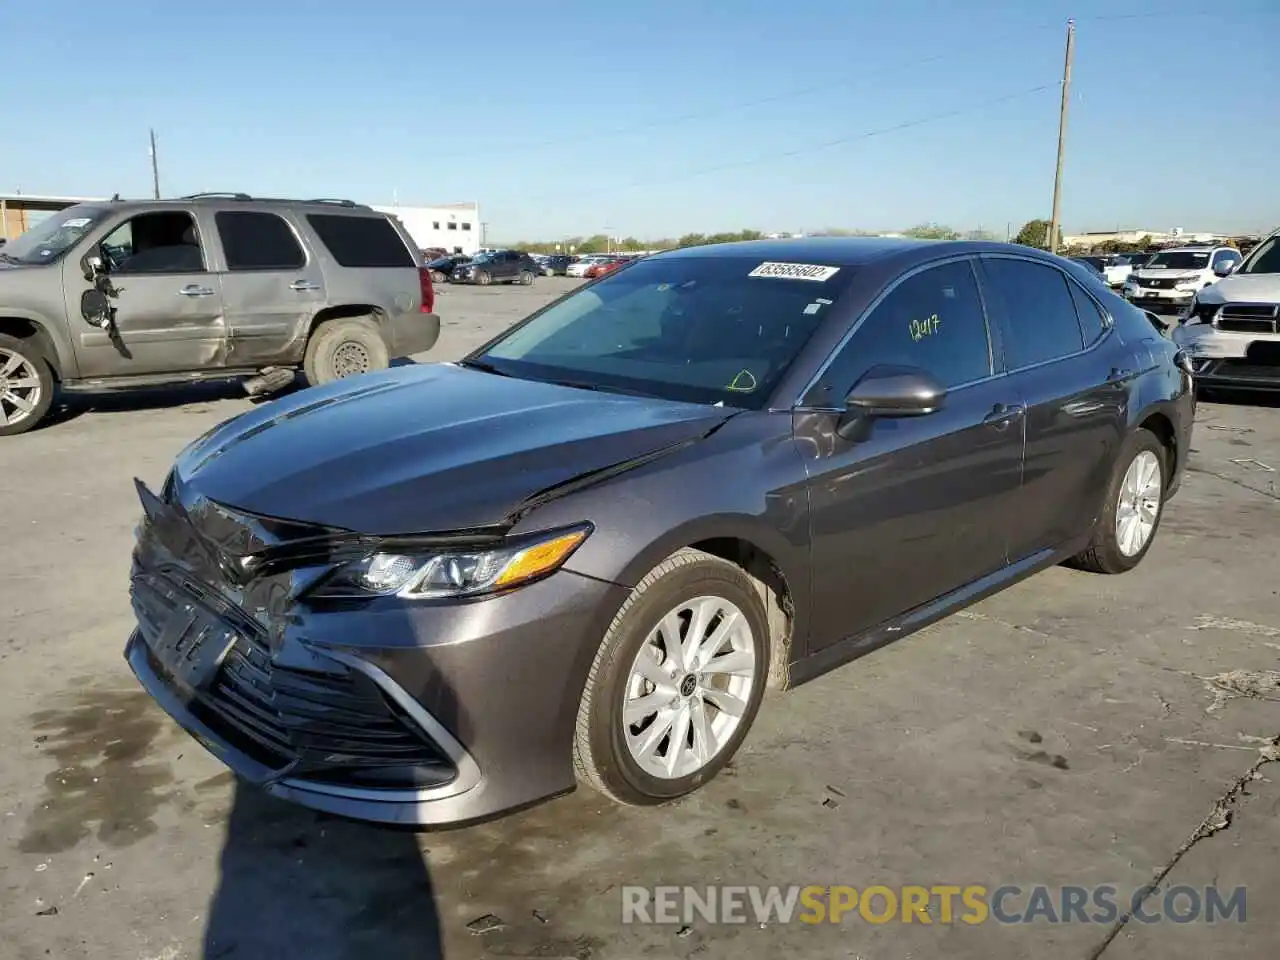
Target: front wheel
676	683
483	278
437	276
26	386
1133	507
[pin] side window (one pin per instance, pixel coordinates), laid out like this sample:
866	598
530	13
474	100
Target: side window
357	241
165	242
258	241
1037	307
932	320
1093	322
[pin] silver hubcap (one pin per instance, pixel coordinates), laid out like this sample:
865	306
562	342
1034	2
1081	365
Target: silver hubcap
19	388
349	359
688	687
1139	505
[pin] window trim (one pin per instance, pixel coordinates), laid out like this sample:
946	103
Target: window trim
195	222
996	363
293	229
1106	336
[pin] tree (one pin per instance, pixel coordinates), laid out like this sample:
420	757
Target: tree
931	231
1034	233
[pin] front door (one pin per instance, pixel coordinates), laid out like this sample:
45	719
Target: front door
1073	374
271	287
914	507
168	304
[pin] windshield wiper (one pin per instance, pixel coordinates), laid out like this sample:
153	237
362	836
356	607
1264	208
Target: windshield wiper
484	367
600	388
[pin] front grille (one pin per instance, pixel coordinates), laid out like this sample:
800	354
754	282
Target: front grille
335	721
1249	317
1156	283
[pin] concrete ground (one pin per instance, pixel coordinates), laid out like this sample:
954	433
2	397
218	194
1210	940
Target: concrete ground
1075	730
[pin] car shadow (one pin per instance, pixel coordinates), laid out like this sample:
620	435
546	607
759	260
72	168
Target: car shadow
296	883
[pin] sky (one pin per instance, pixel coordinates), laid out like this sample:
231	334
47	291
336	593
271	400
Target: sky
653	118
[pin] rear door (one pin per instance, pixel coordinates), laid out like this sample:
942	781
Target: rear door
271	284
168	302
1072	373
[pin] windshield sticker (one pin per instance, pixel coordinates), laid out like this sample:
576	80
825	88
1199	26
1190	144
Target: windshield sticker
78	222
795	271
812	309
924	328
744	382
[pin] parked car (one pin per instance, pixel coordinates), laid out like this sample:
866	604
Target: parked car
581	265
1094	265
1172	277
137	293
442	267
556	265
500	266
603	266
1231	329
586	549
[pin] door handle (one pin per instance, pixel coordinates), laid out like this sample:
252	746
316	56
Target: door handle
195	290
1003	414
304	285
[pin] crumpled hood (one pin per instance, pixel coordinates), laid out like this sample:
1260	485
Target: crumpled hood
1244	288
426	448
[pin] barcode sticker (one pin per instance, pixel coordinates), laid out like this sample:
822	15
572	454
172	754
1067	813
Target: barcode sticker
795	271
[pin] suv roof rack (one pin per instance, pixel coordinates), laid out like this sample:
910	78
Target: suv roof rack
336	202
217	194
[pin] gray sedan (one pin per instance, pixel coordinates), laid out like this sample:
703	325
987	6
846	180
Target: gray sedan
583	553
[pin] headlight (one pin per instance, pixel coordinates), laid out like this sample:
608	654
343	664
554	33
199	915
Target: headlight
1189	282
443	574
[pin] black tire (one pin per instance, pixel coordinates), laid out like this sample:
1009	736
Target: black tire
525	279
601	757
336	348
437	277
31	359
1103	555
483	278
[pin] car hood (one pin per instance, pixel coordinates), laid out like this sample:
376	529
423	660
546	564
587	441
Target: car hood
1244	288
1158	274
427	448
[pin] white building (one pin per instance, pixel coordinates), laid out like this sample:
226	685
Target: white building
452	226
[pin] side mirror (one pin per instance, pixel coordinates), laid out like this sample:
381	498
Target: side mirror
1224	268
96	308
886	391
94	267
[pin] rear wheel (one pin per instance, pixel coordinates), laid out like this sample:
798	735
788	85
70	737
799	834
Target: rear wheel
676	683
26	386
525	278
344	348
1131	513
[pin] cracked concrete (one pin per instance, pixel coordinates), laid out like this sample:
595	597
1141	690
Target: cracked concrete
1059	733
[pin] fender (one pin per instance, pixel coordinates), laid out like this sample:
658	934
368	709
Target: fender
55	338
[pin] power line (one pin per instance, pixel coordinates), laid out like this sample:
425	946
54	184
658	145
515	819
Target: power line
999	40
814	148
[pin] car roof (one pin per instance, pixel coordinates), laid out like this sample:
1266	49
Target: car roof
1206	248
232	199
848	251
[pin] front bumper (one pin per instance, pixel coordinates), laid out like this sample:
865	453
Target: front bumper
412	333
1155	299
482	697
1227	358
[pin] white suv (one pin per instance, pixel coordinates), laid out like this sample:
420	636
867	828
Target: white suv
1231	330
1172	277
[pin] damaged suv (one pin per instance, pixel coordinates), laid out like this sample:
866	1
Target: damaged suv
583	552
140	293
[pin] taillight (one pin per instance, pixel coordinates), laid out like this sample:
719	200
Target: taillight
428	291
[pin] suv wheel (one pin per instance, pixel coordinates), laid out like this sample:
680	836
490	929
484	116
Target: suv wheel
437	277
526	277
1131	513
344	348
483	278
676	682
26	386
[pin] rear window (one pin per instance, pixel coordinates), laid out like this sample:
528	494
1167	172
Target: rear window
362	241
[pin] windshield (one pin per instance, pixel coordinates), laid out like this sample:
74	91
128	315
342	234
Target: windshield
1179	260
698	329
1265	259
54	236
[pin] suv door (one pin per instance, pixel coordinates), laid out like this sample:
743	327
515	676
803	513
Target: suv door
916	507
168	304
506	265
1072	373
271	286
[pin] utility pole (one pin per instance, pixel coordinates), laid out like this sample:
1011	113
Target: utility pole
1055	225
155	168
